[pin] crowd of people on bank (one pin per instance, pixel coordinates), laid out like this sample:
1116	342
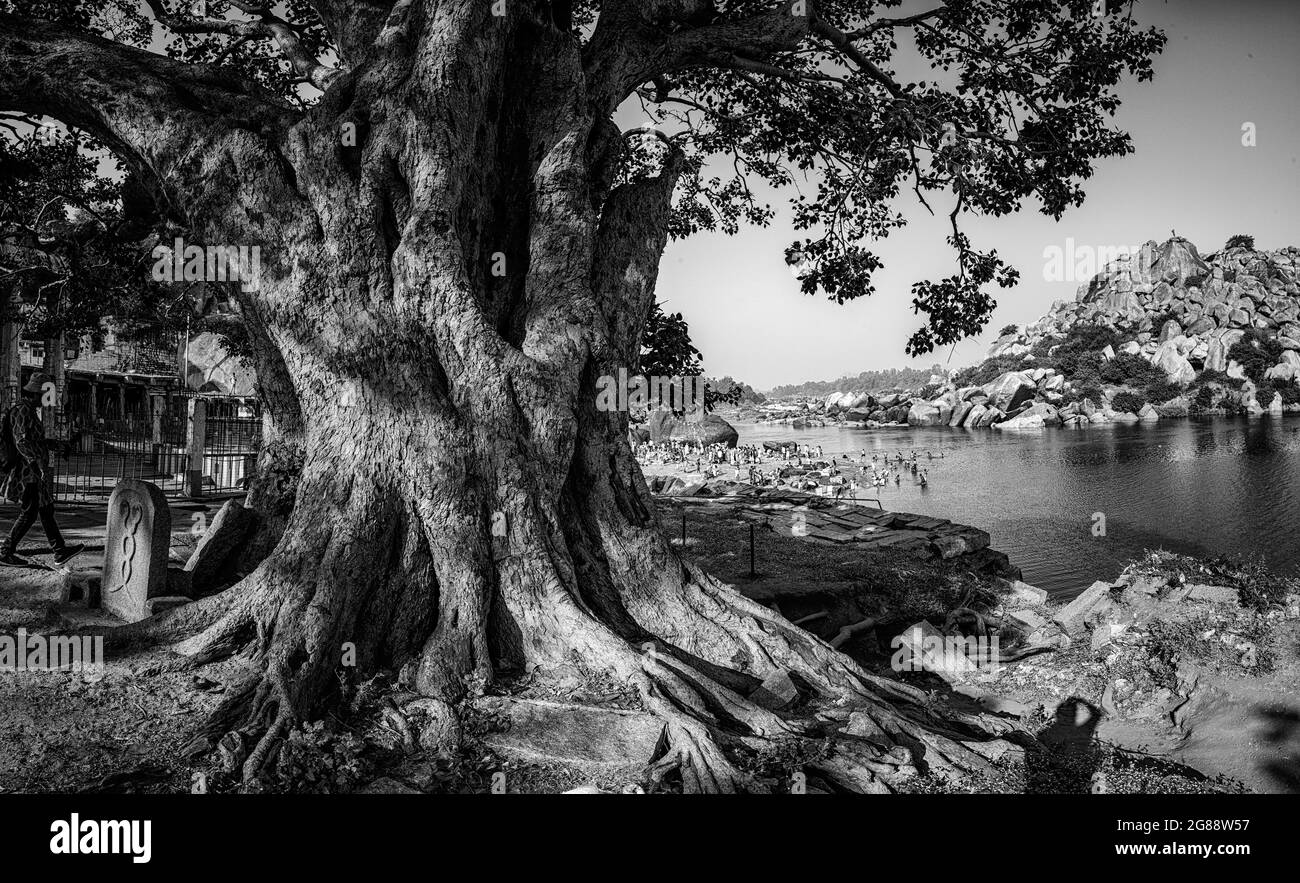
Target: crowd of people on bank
797	466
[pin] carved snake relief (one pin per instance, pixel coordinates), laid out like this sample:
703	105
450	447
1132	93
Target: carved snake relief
132	514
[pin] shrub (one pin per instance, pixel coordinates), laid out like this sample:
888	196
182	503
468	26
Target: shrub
1203	401
1087	371
1256	352
1265	395
1241	240
1043	348
1086	392
1198	280
1131	369
1288	390
987	371
1082	344
1219	377
1127	402
1008	329
1162	391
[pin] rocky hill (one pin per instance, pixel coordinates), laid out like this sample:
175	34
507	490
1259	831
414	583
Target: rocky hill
1223	335
1160	333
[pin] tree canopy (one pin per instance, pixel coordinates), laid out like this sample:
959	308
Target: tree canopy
804	96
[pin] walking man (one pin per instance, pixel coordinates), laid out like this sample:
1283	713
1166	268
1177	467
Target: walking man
24	475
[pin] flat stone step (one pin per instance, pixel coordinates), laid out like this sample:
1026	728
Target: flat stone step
584	735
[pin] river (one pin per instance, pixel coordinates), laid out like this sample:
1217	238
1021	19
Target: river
1201	487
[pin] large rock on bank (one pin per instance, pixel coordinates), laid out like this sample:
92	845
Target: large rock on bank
712	429
1010	390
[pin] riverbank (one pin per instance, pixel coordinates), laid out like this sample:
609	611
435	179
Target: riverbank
1200	487
1176	676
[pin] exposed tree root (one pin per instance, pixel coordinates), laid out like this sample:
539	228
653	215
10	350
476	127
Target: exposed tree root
175	625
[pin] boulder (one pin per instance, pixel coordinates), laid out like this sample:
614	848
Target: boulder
924	414
1074	617
1027	620
1216	356
1048	412
1104	634
711	429
1179	407
959	414
1282	371
1019	423
974	414
1176	367
1023	592
1176	260
1009	390
214	559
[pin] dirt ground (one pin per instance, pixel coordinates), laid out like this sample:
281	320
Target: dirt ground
125	731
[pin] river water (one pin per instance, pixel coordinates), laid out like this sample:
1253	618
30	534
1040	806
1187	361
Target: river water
1195	486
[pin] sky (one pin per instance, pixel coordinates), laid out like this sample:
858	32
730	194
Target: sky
1227	63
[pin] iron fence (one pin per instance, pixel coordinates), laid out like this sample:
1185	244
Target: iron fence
89	456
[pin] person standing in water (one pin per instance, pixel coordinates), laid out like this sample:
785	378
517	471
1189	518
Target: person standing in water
24	474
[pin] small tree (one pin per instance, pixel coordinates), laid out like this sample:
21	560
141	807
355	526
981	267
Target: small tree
1241	240
1127	402
1256	352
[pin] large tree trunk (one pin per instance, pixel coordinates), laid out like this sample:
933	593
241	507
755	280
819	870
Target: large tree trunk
427	398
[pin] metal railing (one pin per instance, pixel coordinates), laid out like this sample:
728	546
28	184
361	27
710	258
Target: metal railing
90	455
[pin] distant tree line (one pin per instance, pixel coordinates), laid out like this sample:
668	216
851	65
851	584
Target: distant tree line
867	381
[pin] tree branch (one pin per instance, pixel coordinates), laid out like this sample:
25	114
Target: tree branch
160	115
266	26
352	24
626	52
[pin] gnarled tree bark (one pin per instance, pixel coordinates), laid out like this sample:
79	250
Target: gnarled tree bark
419	397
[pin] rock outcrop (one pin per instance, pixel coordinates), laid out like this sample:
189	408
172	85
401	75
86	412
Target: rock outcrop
1166	305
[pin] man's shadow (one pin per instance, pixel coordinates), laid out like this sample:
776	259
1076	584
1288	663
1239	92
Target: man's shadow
1067	755
1282	734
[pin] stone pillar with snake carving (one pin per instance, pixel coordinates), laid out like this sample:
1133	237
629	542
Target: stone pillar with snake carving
135	549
